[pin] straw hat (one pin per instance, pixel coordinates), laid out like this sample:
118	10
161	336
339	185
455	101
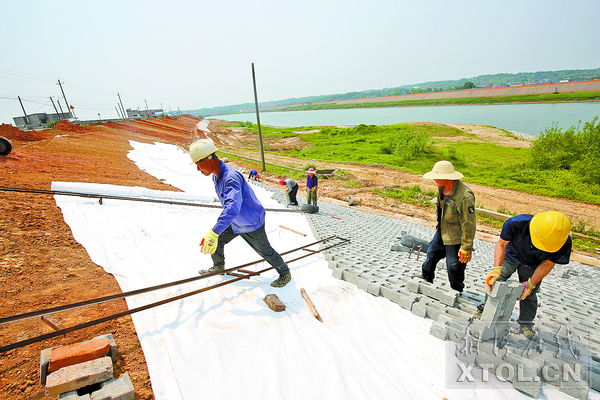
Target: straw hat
311	171
443	170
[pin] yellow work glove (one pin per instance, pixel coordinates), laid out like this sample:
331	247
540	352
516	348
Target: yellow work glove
464	256
492	277
208	244
529	286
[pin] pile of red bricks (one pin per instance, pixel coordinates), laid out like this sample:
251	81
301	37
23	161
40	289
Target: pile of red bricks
84	371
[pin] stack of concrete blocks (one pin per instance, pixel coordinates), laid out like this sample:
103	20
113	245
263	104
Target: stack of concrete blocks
495	319
370	261
84	371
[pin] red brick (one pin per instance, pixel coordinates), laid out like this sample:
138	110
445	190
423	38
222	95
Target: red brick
77	353
274	303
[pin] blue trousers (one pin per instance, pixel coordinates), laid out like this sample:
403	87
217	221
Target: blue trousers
258	241
438	250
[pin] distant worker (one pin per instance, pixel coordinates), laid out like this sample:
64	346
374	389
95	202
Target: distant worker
253	176
291	191
242	214
530	245
455	230
312	181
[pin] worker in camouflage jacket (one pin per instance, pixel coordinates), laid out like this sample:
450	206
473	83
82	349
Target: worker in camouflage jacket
456	221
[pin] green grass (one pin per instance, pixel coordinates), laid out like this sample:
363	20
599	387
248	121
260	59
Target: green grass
408	194
482	163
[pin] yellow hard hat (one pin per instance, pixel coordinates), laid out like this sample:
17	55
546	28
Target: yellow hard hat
201	148
549	230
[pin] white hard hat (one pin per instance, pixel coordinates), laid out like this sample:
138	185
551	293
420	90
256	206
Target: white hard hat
443	170
201	148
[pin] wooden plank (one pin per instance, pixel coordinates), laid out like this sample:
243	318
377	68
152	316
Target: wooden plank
311	305
291	230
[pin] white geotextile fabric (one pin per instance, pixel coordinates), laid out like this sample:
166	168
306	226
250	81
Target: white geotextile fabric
227	343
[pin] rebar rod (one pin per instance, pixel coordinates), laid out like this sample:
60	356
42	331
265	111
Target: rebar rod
138	291
113	197
148	306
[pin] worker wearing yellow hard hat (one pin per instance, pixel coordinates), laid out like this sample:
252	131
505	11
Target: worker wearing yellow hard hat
530	245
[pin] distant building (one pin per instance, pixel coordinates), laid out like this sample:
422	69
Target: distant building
39	120
143	114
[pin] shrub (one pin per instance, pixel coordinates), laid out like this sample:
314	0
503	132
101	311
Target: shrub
407	143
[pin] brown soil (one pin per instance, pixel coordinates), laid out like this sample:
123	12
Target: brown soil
42	266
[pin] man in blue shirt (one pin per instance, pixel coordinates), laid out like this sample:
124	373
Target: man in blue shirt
253	176
530	245
242	215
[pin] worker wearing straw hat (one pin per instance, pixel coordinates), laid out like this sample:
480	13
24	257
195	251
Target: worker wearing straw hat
455	231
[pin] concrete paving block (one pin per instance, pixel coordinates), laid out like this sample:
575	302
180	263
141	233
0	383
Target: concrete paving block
374	288
407	299
458	314
350	276
439	330
80	375
337	273
413	285
390	292
592	377
115	389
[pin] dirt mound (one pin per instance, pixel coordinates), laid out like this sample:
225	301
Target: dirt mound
69	127
13	133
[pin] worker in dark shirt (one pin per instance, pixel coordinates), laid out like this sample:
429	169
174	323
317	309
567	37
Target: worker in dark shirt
312	181
531	246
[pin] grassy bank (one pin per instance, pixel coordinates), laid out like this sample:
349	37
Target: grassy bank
533	98
414	147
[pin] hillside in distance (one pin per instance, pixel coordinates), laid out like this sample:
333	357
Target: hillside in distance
495	80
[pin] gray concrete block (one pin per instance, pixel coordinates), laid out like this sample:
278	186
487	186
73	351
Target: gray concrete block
79	375
115	389
337	273
439	330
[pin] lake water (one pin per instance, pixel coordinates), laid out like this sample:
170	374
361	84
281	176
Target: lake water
522	118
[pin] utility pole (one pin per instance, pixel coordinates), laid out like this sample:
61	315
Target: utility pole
262	154
65	97
147	111
118	112
24	113
59	117
122	108
59	106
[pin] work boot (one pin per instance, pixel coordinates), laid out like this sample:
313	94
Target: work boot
528	332
425	279
282	280
211	270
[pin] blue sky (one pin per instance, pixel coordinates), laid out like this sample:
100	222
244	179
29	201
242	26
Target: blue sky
194	54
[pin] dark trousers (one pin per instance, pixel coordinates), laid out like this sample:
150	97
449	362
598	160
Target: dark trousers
527	307
292	195
437	251
258	241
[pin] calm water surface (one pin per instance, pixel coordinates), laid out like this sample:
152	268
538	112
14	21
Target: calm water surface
523	118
